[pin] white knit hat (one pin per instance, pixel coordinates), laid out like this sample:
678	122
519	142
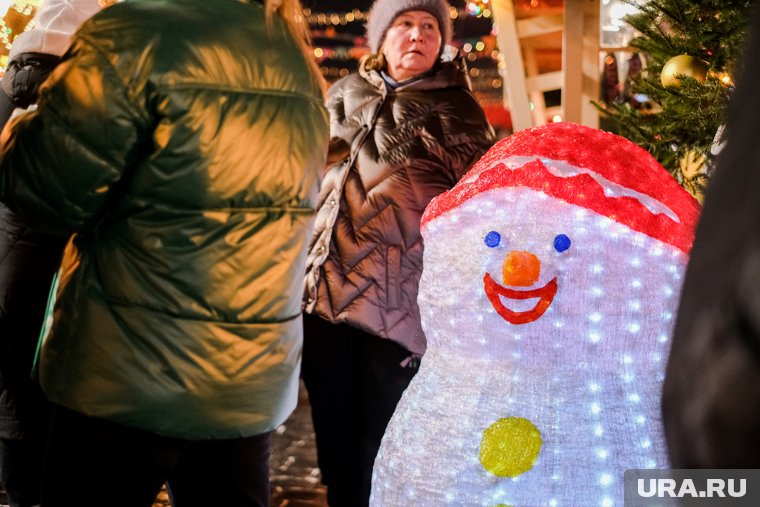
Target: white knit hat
383	13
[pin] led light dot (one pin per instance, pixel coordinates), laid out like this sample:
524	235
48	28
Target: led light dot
605	479
607	502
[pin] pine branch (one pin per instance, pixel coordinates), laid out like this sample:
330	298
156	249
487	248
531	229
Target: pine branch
681	120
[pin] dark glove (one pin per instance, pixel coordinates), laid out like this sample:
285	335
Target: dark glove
21	83
24	75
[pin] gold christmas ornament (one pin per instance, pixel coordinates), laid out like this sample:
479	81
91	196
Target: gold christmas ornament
682	65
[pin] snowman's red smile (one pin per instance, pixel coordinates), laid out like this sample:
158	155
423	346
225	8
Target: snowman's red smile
545	295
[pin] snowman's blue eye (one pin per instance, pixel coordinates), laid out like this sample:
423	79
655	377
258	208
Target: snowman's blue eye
561	243
493	239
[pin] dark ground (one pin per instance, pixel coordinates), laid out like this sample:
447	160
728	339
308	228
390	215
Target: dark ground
293	466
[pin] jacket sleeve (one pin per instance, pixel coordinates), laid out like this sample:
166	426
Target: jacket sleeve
475	138
61	165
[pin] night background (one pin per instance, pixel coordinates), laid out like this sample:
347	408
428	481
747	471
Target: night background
337	28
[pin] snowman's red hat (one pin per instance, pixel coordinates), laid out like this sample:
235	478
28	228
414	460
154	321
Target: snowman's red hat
602	172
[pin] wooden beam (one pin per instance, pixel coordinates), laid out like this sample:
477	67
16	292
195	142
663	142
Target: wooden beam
539	25
536	96
515	91
545	82
580	61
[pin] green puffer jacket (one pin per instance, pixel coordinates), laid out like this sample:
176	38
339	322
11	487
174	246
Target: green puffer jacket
180	142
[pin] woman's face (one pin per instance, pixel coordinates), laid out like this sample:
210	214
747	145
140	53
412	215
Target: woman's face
412	44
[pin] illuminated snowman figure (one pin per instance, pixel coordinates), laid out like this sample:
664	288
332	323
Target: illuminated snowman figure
551	278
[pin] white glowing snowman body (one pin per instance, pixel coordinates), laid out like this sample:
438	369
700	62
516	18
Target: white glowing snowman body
579	366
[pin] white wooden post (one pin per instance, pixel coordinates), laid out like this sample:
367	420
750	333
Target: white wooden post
515	90
580	62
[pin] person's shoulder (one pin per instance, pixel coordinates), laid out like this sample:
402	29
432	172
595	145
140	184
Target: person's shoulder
346	85
465	99
173	19
114	22
173	28
351	80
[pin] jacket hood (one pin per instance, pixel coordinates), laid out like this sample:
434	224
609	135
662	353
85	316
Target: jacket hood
55	22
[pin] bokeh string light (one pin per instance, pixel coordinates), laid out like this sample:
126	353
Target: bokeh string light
476	9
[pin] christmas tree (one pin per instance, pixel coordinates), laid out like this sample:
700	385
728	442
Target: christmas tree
692	51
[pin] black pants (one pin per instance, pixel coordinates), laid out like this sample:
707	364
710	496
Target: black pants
354	380
94	462
28	261
21	470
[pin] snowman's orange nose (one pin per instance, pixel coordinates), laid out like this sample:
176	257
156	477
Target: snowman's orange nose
520	269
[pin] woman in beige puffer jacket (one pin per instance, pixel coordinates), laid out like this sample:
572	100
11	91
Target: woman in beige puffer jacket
404	129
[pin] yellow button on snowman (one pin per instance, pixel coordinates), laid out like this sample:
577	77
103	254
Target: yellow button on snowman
548	295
